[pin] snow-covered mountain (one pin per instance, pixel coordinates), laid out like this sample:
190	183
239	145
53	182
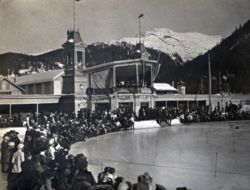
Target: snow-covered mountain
187	45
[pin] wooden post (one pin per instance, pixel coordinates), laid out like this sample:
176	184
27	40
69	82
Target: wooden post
10	110
114	77
37	112
233	142
216	160
137	75
134	96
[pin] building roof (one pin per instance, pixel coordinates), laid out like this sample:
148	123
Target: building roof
163	87
112	63
73	38
26	99
42	77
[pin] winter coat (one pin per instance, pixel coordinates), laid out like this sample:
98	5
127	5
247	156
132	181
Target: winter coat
4	147
82	180
6	160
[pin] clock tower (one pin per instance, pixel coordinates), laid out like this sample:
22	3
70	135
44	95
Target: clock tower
75	81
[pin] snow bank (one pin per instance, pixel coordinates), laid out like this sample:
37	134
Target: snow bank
146	124
153	124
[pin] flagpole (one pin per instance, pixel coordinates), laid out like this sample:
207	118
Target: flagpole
139	17
74	14
139	30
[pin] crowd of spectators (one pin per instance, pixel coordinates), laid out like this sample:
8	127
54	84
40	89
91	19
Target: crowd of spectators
10	121
202	114
42	161
132	84
100	122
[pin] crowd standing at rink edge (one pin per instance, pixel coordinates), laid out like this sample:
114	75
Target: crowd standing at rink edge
42	160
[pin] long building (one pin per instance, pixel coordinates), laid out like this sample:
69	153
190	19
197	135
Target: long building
125	83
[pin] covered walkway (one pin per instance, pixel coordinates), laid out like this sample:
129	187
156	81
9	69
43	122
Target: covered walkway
10	104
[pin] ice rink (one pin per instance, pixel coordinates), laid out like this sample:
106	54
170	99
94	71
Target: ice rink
183	155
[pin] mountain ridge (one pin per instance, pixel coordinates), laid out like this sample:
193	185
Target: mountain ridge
188	45
230	65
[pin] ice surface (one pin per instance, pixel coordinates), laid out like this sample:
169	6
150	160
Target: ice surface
182	155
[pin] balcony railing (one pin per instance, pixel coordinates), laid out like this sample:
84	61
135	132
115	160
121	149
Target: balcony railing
121	90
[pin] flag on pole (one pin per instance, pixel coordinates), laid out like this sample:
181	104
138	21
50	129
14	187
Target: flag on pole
141	15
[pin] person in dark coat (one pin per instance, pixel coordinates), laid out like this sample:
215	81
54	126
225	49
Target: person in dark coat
27	174
48	175
61	180
37	171
4	147
82	177
6	159
145	182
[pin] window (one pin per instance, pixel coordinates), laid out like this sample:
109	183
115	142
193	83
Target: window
79	57
68	59
39	88
30	89
47	88
126	76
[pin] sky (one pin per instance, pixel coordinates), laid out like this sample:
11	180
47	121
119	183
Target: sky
32	26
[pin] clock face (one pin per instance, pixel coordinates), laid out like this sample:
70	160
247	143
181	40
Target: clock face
71	40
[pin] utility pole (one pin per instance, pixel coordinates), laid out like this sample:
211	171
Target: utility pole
209	84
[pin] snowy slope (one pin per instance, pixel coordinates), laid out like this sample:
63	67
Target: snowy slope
187	45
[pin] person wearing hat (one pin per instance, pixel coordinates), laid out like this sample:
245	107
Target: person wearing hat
82	176
15	174
4	147
18	159
6	159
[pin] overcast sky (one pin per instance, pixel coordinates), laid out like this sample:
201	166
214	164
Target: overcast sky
30	26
